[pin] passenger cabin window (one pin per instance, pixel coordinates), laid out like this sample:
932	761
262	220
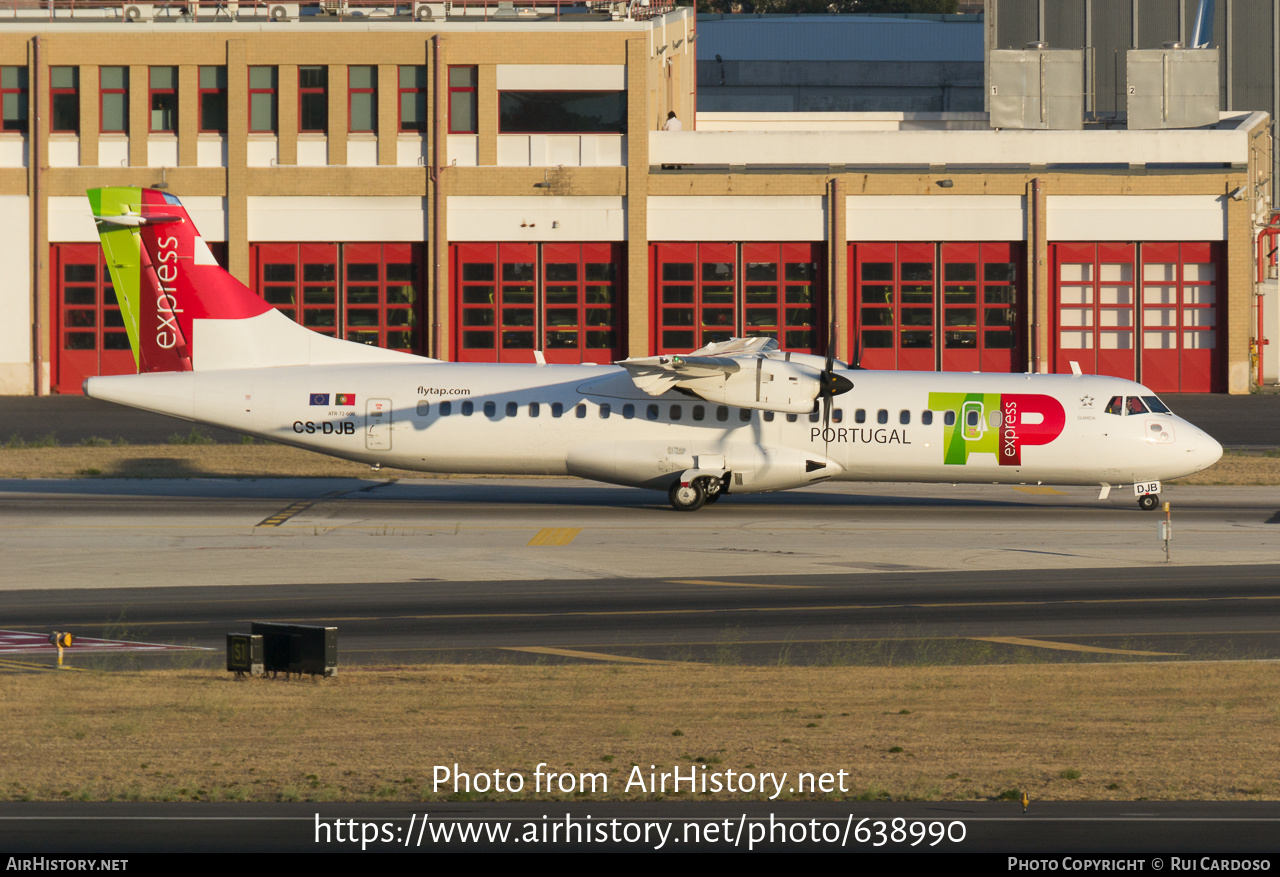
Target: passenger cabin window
468	408
651	413
557	409
744	414
424	408
949	418
860	416
722	413
446	408
814	415
882	416
837	416
904	417
490	409
580	411
628	411
768	417
699	412
675	412
512	409
792	418
604	411
534	408
926	417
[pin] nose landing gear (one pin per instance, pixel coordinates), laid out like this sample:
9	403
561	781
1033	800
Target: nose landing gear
1148	501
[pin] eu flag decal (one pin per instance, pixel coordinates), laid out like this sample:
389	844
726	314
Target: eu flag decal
344	399
319	398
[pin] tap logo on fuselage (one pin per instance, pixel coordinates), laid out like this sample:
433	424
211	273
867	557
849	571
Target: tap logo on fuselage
997	423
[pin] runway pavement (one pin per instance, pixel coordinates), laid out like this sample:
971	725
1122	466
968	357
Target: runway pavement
112	533
506	569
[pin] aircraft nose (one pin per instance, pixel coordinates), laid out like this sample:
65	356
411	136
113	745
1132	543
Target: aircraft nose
1204	449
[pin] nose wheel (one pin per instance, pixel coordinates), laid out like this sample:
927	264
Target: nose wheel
687	497
1148	501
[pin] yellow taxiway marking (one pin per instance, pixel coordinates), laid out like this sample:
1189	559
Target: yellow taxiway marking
296	509
736	584
1070	647
285	514
555	535
6	664
574	653
1040	488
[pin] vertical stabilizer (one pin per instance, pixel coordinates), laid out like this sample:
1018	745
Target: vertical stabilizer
183	310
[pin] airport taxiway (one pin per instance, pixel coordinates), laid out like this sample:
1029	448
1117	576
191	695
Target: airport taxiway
545	569
164	533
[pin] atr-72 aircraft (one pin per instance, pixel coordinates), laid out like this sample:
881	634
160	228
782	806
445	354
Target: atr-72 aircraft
739	416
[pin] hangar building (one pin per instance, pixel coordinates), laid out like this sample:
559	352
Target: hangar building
476	181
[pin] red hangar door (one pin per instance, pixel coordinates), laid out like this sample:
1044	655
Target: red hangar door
708	292
565	299
1142	311
89	336
922	306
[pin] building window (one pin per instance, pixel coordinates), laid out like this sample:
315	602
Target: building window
313	100
362	95
65	99
13	97
164	99
262	100
413	99
562	112
114	93
462	100
213	100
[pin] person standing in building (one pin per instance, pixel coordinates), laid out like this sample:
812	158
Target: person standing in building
672	123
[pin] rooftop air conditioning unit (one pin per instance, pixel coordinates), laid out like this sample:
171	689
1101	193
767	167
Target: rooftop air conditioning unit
430	11
283	11
139	12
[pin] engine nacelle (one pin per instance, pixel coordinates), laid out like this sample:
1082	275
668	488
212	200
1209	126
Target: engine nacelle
752	469
771	385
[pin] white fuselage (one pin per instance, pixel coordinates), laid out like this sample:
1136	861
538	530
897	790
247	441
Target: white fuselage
592	421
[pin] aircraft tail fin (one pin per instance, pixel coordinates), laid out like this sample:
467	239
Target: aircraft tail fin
185	312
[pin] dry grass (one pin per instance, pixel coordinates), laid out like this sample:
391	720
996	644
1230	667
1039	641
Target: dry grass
1261	469
266	460
1120	732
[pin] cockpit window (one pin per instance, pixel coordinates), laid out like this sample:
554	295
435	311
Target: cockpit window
1136	405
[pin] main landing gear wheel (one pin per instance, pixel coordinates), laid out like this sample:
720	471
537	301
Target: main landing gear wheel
1148	501
687	497
715	490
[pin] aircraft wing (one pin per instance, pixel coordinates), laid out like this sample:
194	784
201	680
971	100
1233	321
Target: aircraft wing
735	372
657	374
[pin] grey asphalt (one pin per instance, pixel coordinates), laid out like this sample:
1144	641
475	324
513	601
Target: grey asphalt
1235	421
1073	836
992	616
